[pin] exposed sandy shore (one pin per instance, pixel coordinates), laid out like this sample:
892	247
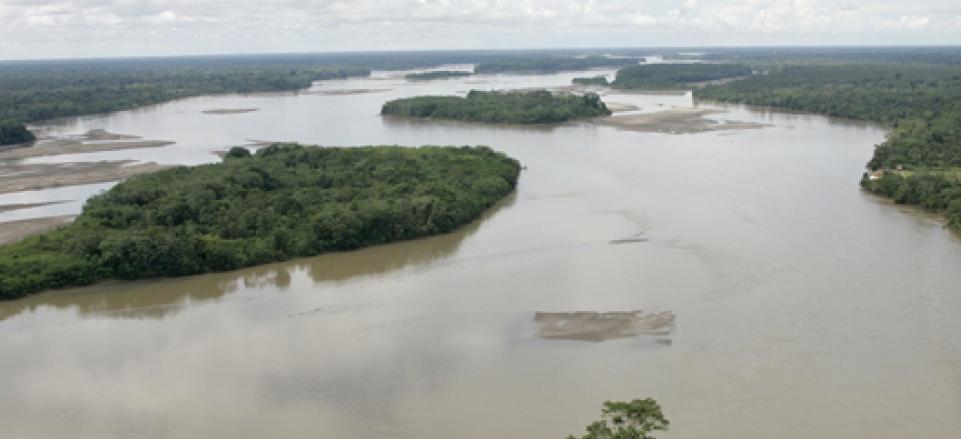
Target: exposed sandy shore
12	207
17	177
16	230
599	326
229	110
620	107
354	91
676	121
80	144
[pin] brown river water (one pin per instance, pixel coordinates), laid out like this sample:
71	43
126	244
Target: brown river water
802	306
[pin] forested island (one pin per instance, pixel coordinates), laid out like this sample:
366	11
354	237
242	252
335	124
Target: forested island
285	201
436	74
919	162
552	64
672	76
12	132
513	107
593	80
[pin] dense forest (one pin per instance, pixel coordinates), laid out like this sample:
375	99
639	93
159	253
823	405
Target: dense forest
12	132
593	80
670	76
436	74
519	107
920	102
285	201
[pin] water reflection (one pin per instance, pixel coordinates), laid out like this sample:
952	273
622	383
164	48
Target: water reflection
152	299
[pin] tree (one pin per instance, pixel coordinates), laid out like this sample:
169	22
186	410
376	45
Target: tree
627	420
237	152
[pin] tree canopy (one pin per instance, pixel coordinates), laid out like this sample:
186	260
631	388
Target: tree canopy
518	107
436	74
12	132
285	201
593	80
627	420
669	76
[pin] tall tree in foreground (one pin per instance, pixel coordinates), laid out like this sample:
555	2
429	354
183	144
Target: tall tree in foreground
627	420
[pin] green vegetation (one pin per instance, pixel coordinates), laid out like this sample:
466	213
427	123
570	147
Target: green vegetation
518	107
551	64
285	201
672	76
36	91
14	132
628	420
920	101
437	74
594	80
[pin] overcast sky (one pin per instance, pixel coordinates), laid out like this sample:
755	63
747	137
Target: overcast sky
84	28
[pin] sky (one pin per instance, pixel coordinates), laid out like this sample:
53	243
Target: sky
31	29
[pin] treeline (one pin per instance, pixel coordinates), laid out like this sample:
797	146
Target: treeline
552	64
436	74
12	132
594	80
935	190
920	102
670	76
518	107
285	201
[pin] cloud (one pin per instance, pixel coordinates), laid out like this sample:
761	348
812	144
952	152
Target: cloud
54	28
904	22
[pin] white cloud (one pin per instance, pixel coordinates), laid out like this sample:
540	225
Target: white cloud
904	22
37	28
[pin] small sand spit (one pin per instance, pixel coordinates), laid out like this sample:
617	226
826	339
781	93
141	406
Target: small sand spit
14	231
230	110
84	143
676	121
354	91
16	177
600	326
620	107
12	207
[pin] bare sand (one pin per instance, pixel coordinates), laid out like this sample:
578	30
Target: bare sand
354	91
676	121
18	177
600	326
620	107
229	110
81	144
12	207
16	230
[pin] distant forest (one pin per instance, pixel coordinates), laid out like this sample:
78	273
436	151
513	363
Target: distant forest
552	64
436	74
285	201
593	80
670	76
517	107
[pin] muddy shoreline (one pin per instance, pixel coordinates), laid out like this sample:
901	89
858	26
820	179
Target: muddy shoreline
14	231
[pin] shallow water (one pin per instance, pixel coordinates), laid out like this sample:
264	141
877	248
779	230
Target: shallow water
801	303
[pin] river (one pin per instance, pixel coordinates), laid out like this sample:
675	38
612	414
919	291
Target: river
804	306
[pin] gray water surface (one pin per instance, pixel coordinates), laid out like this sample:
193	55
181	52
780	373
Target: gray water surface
804	307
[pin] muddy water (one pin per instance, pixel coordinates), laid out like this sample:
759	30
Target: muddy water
800	303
